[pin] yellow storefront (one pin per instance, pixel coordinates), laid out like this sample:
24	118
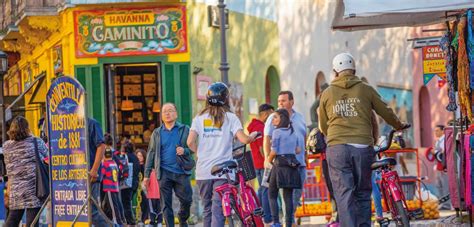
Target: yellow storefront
130	58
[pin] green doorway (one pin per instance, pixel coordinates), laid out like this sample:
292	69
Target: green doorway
272	86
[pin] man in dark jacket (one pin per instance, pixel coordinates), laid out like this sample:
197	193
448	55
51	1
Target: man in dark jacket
345	115
166	142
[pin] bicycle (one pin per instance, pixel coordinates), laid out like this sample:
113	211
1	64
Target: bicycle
240	204
390	185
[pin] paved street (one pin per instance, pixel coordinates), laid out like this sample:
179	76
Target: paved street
448	218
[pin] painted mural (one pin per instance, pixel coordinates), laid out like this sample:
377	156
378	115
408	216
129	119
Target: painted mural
401	102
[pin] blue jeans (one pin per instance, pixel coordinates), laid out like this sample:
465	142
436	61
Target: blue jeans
263	197
211	201
299	192
349	168
376	194
97	218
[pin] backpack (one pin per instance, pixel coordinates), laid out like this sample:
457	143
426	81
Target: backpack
121	164
127	173
316	142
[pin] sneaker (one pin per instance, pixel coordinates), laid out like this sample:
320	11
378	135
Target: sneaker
383	222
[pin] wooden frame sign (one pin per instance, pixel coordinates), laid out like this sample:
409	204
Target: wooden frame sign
130	31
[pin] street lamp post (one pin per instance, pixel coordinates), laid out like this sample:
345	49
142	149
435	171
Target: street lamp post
224	68
3	71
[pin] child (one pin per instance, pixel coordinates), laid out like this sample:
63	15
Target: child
129	189
150	207
110	184
284	175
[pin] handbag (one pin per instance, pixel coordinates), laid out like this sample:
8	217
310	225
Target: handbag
286	173
287	160
185	161
42	175
153	187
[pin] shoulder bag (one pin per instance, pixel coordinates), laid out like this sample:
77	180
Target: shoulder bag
42	175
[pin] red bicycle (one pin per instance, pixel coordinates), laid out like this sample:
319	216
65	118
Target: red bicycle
240	204
390	185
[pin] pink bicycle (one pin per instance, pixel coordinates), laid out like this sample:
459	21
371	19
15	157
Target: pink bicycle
240	204
390	185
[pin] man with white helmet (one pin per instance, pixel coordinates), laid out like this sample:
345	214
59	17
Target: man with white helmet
345	119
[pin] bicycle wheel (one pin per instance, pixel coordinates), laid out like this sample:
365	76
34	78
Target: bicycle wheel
234	220
402	214
257	220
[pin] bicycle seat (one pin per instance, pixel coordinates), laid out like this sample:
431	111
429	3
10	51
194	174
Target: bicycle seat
383	162
225	166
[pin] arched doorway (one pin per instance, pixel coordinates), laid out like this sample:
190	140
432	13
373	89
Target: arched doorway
426	134
320	81
272	86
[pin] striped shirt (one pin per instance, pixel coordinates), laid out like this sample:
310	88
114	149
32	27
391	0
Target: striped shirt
20	162
110	182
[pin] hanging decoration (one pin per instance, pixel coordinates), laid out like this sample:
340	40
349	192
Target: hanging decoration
470	48
445	44
441	82
427	78
463	71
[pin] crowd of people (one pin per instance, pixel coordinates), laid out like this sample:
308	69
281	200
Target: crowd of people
345	119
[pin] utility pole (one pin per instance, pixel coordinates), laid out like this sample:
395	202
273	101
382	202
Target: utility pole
224	67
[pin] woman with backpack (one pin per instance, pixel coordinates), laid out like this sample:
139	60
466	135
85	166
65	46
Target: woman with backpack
284	174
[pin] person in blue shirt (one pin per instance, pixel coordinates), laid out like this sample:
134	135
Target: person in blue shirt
286	145
166	142
286	101
96	155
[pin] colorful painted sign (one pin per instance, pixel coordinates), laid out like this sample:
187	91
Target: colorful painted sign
58	60
433	63
401	102
131	31
67	150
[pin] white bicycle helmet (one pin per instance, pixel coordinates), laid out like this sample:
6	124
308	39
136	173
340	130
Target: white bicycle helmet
342	62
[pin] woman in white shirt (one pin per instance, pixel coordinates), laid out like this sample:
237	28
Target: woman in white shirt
215	128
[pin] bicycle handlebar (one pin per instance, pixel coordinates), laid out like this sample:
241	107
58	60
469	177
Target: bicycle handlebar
244	145
390	138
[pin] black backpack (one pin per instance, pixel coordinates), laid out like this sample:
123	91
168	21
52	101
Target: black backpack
316	142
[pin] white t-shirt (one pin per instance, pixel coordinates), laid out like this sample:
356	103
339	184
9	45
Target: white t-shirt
215	144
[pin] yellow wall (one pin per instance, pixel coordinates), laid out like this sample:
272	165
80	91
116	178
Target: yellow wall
40	59
252	47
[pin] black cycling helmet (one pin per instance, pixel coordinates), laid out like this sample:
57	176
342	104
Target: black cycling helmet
217	94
